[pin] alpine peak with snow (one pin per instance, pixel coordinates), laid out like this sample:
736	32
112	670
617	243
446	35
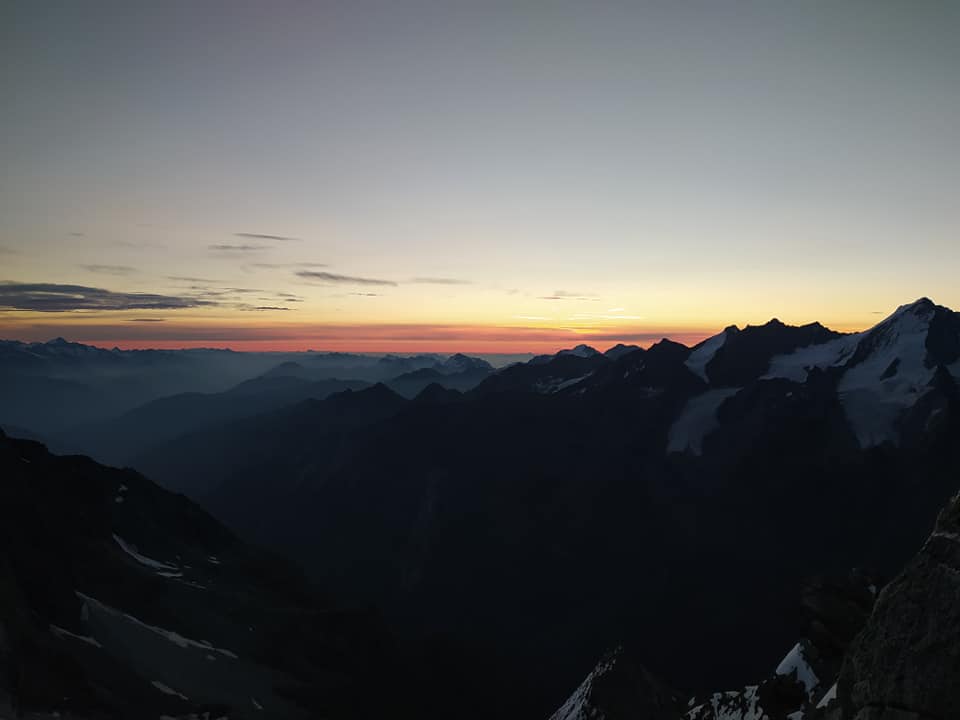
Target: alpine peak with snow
739	530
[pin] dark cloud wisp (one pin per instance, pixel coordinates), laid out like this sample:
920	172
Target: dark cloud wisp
53	297
110	269
238	248
187	278
333	278
261	236
276	266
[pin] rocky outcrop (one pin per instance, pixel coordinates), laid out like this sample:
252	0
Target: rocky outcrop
835	610
619	688
905	665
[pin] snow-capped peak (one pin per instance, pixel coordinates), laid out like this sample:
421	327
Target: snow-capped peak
579	705
884	370
704	352
580	351
795	663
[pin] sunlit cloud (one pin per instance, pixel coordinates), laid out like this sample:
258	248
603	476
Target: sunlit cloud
568	295
601	316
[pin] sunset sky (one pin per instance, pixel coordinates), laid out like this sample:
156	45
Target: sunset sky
486	176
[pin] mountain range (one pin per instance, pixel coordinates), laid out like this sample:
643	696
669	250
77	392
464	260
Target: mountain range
703	508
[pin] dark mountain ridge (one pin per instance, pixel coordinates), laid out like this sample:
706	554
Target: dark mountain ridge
120	599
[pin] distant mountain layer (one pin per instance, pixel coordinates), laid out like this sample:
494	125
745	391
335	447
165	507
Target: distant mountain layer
53	388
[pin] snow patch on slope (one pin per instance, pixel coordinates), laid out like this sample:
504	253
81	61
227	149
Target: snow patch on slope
882	371
581	350
735	705
131	550
873	397
796	365
698	419
63	632
796	662
551	385
698	359
174	637
828	697
167	690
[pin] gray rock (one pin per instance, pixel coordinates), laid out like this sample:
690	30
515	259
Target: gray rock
905	665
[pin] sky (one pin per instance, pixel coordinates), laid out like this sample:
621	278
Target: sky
484	176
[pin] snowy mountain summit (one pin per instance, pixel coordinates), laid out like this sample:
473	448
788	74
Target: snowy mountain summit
886	371
892	381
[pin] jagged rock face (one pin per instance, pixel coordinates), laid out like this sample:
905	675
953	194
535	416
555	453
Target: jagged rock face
836	609
619	688
745	355
906	662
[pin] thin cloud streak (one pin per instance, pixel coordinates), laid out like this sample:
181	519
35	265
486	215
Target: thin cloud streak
110	269
333	278
185	278
238	248
568	295
439	281
260	236
279	266
54	297
596	316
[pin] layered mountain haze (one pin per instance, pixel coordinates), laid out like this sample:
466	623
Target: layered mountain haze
725	512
